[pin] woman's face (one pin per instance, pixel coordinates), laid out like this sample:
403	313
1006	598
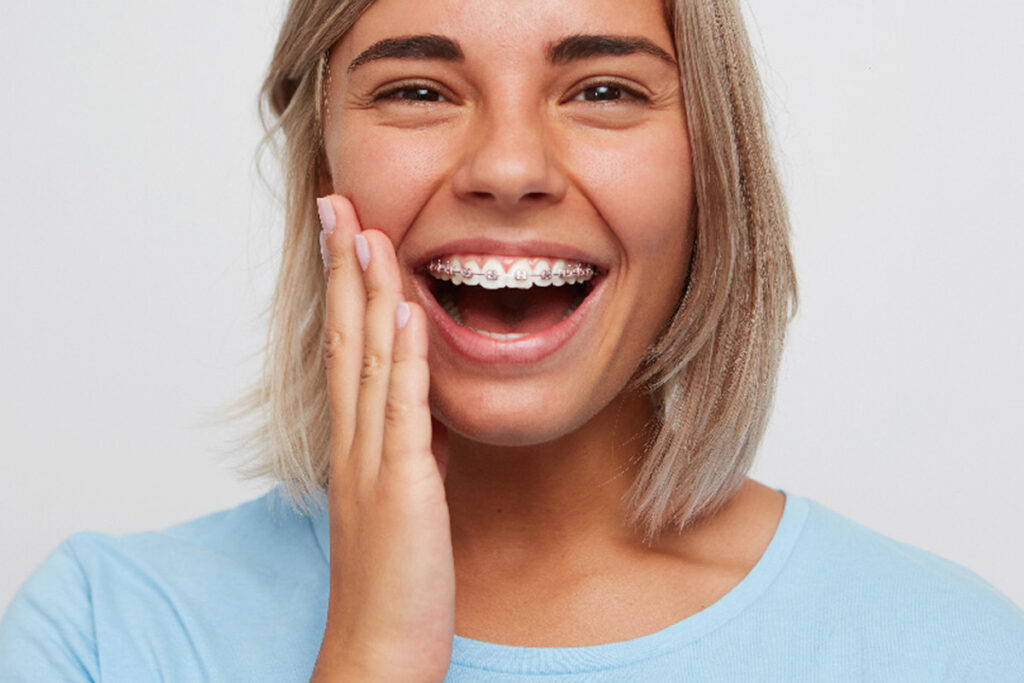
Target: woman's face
508	142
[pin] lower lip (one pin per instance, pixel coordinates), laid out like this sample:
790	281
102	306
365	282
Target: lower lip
529	349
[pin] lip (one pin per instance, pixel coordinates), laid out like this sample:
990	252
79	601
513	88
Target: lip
477	348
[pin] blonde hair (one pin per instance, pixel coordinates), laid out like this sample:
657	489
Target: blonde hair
713	371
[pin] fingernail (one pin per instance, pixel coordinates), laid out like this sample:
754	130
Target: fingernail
362	251
402	314
323	250
326	211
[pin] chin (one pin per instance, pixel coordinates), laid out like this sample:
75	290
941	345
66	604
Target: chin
496	421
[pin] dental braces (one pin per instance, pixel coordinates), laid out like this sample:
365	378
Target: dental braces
578	270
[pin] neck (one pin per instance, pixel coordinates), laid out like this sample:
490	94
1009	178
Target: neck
540	501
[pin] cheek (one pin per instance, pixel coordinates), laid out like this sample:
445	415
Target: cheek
387	175
642	185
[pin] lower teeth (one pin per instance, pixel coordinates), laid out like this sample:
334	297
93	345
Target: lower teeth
499	335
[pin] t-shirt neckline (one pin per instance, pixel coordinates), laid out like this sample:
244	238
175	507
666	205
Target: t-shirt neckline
478	654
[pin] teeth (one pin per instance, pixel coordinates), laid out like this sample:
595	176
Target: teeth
519	275
498	335
447	301
558	269
492	274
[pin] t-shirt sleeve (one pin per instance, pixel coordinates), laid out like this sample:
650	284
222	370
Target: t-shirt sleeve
47	632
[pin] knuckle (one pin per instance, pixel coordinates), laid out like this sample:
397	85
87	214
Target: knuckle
377	294
410	359
398	409
335	264
373	366
395	412
334	344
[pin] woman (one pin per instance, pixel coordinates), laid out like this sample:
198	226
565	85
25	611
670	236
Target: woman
518	410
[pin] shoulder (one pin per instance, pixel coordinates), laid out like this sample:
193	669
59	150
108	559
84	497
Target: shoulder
163	591
861	559
47	632
900	598
265	536
264	531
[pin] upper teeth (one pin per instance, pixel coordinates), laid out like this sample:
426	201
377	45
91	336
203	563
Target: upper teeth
523	273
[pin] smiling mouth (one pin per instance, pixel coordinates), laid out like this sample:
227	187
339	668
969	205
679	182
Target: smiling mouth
509	298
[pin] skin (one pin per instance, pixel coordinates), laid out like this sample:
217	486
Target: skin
515	494
511	160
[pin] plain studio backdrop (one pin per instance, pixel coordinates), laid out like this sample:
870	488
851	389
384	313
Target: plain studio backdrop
139	251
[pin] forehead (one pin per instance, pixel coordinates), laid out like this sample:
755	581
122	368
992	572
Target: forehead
509	27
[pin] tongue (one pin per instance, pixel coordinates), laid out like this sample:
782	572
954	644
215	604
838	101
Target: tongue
514	311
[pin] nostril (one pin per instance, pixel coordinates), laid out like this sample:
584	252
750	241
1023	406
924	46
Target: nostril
509	175
530	197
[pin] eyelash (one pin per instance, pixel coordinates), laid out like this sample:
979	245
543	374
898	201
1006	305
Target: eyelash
390	93
625	92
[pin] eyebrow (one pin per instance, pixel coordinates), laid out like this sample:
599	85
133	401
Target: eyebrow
581	46
410	47
569	49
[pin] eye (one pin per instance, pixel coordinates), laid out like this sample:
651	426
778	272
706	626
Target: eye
609	92
411	92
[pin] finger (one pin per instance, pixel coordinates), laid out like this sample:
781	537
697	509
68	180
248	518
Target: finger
407	424
383	293
439	445
343	326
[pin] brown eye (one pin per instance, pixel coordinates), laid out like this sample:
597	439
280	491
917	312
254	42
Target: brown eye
609	92
600	93
412	93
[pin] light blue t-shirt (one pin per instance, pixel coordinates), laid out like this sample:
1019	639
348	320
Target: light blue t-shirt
240	595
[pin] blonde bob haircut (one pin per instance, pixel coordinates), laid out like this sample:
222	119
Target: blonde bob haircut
711	374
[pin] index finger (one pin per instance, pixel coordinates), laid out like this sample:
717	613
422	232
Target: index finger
345	306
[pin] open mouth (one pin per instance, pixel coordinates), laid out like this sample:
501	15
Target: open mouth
509	298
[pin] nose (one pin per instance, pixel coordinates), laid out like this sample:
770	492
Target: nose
509	162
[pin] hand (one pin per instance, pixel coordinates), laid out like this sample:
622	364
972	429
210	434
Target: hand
391	613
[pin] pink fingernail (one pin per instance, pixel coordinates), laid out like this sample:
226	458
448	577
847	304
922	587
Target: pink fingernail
362	251
326	211
323	250
402	314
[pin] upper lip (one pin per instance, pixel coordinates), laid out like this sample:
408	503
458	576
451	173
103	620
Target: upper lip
491	247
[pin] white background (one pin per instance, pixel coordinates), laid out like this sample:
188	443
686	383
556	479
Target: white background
138	251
